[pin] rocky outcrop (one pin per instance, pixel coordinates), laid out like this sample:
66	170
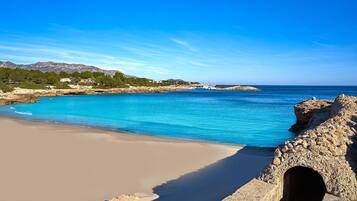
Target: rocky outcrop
324	153
310	113
328	145
17	98
239	88
224	87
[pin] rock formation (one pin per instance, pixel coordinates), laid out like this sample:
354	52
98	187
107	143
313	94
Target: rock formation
236	88
320	163
310	113
328	146
17	98
135	197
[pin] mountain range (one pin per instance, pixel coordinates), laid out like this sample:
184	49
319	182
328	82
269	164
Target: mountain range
56	67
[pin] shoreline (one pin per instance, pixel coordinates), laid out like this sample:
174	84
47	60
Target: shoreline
34	151
20	95
127	133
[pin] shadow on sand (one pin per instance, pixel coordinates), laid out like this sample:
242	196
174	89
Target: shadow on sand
218	180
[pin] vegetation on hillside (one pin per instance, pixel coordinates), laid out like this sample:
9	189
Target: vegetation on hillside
34	79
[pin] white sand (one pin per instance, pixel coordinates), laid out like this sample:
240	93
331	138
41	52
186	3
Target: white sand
47	162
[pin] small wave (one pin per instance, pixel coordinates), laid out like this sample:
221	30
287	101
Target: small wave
12	108
24	113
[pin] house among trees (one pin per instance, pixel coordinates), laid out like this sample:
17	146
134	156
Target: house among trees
65	79
88	81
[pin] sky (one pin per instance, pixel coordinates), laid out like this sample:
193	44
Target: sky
277	42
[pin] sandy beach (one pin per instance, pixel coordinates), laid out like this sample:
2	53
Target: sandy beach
41	161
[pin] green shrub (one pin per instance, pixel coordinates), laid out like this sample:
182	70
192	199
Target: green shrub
61	85
35	79
32	85
6	88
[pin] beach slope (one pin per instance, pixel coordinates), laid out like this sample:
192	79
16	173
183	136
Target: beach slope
44	162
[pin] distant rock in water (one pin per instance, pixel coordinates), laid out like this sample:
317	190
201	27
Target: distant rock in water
236	88
57	67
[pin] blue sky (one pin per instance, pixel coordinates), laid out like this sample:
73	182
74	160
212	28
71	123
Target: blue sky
226	41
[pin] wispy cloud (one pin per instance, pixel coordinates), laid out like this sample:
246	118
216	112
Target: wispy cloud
184	44
322	44
29	53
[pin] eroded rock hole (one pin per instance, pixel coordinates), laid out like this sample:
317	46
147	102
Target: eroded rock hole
303	184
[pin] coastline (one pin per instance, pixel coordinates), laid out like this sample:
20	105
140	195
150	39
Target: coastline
20	95
69	162
124	133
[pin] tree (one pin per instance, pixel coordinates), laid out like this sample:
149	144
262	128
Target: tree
86	75
52	78
119	76
104	81
6	87
63	74
34	79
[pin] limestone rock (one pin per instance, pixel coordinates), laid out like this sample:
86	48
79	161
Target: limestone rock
276	161
305	110
135	197
327	144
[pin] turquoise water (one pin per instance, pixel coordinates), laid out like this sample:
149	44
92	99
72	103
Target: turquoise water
252	118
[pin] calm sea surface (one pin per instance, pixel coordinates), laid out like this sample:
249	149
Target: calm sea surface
252	118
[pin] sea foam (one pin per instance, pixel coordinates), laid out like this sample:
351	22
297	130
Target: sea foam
24	113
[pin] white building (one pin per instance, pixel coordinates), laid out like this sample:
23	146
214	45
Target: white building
65	80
